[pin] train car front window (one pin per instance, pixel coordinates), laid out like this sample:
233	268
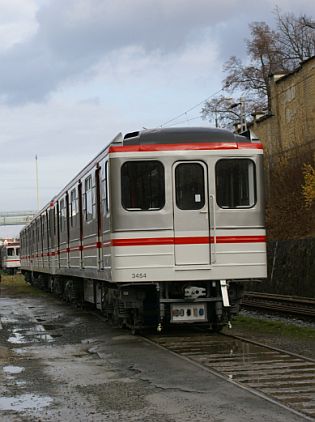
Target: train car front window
190	186
10	252
142	185
235	183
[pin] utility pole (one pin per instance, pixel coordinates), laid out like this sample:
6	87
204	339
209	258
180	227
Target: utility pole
243	115
37	188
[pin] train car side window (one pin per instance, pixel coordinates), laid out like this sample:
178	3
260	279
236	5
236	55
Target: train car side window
104	188
55	220
88	198
235	183
73	207
190	186
62	215
142	185
37	235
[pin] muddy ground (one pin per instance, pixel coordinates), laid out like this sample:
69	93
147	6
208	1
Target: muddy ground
60	363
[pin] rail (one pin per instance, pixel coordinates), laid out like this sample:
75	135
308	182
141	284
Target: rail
285	304
276	375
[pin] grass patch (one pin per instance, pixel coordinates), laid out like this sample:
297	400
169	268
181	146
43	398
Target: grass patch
15	285
275	327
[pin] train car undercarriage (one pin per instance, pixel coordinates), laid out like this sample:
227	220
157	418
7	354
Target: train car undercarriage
159	305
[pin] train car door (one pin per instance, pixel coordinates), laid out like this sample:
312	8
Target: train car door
191	213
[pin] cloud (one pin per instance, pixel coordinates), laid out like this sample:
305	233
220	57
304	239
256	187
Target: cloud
55	42
74	36
17	22
74	73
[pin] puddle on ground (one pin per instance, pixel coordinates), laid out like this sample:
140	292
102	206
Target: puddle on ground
17	338
44	337
236	349
8	320
10	369
34	334
20	383
24	402
42	317
36	328
20	351
41	337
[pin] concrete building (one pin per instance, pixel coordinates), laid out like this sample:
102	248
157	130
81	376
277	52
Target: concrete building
288	136
291	124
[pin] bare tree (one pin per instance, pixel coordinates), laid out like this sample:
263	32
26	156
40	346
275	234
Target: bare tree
265	58
269	52
296	38
227	112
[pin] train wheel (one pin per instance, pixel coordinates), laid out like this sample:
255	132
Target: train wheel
67	297
136	323
134	328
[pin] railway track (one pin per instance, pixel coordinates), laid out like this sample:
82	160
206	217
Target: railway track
277	375
293	305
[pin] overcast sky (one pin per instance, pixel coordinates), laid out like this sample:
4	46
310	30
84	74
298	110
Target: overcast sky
74	73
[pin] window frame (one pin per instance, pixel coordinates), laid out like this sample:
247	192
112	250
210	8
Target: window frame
62	214
201	164
104	188
73	203
161	165
88	199
10	251
240	207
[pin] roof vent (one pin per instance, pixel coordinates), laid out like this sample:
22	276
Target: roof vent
131	135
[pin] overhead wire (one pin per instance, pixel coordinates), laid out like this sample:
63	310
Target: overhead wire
191	108
185	121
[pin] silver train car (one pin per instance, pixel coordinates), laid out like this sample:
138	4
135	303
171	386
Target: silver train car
164	226
10	256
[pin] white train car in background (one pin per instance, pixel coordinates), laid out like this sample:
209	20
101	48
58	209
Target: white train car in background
164	227
10	256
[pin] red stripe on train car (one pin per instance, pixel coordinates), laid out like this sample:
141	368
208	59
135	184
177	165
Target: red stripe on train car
187	240
76	249
240	239
155	241
186	147
143	241
90	246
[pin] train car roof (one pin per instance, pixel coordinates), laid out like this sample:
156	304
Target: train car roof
181	136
